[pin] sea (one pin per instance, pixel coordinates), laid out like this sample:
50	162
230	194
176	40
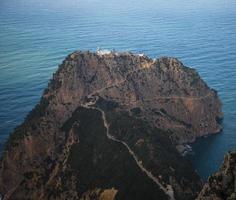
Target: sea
36	35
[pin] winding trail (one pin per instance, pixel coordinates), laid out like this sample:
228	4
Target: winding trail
90	105
118	83
166	97
93	98
168	190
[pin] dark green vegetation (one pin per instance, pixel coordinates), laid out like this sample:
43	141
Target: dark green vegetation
156	151
103	163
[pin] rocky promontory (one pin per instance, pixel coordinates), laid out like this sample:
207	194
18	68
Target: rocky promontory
108	127
222	184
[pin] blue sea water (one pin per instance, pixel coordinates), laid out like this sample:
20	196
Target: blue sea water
35	36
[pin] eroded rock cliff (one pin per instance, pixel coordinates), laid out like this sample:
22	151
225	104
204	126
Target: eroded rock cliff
63	150
222	184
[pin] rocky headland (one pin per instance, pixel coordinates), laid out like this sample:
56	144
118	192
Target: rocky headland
111	126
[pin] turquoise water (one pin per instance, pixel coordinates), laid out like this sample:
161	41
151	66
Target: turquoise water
36	35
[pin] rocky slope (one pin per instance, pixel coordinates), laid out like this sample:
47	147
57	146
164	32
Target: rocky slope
170	95
222	185
107	127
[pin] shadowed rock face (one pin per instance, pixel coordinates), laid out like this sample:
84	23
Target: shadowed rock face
222	184
166	103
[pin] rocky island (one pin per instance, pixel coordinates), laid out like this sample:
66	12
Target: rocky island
112	126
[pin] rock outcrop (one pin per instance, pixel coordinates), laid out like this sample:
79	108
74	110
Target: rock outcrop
63	149
222	184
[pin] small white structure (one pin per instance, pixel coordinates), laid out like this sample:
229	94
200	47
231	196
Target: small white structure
102	52
141	55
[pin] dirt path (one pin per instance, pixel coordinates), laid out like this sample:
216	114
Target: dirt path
118	83
168	190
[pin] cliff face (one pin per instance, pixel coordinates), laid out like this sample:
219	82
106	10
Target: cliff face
222	185
64	149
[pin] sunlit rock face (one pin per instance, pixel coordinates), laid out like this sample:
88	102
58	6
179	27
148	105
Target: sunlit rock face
170	95
153	106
